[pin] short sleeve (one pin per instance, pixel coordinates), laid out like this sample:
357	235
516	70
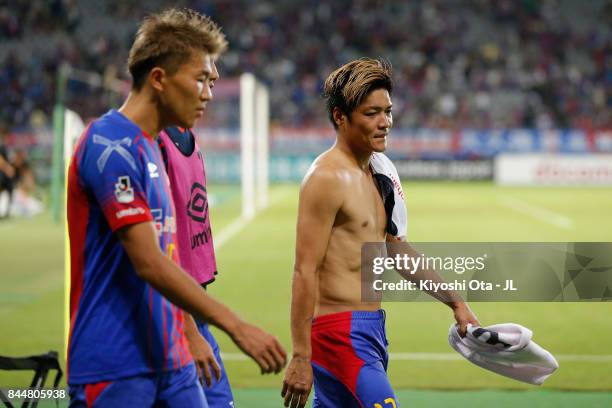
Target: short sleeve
112	172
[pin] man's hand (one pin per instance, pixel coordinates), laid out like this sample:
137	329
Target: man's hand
464	316
204	358
297	383
262	347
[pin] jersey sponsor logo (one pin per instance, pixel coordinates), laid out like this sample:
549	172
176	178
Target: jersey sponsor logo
197	207
201	238
157	214
163	224
129	211
152	167
114	146
123	190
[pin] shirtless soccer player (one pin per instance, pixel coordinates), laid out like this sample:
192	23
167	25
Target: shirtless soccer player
127	346
336	336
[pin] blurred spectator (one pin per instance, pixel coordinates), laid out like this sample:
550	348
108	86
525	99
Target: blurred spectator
457	64
24	204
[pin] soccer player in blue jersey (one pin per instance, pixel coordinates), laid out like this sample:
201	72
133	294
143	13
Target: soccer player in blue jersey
127	346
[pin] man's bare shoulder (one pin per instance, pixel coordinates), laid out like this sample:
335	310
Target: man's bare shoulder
329	171
327	182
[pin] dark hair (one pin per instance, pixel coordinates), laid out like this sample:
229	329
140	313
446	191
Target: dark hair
349	85
168	38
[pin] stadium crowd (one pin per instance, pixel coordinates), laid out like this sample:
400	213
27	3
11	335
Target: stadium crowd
457	64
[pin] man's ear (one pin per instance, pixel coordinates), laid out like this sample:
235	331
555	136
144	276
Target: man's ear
157	78
339	116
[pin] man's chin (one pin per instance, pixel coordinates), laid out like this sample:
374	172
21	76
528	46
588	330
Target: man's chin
379	148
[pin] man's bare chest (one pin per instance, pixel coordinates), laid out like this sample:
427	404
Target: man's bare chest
363	210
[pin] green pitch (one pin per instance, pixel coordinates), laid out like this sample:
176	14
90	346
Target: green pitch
255	271
257	264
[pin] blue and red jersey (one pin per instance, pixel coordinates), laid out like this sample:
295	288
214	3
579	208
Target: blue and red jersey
119	325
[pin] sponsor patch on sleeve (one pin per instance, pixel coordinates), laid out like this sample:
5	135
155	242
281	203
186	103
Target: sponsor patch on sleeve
123	190
129	211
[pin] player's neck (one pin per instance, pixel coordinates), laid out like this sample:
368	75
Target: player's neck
140	109
361	158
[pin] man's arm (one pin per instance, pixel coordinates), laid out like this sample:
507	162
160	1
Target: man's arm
463	313
320	200
202	352
152	265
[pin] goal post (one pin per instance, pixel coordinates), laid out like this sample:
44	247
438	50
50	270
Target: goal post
254	144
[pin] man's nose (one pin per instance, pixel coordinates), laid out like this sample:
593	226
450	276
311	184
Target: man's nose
206	94
386	122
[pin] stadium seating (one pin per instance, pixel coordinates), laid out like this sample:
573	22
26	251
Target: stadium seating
458	64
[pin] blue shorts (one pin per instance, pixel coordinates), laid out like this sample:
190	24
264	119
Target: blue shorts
172	389
349	361
219	394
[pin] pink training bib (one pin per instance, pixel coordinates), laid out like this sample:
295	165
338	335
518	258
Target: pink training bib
188	184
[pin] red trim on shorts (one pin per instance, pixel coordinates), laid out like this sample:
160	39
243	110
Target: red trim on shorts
93	391
332	349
